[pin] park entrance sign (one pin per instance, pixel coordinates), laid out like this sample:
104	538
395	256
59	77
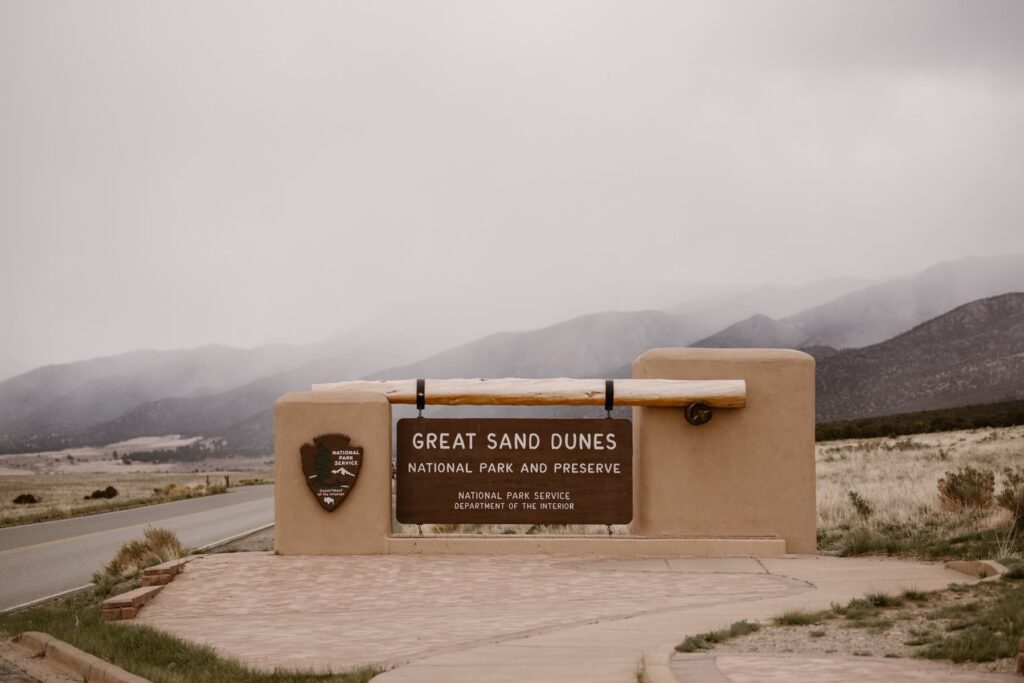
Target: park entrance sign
718	459
504	471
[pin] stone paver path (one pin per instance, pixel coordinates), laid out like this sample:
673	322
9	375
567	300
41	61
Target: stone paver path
317	612
498	619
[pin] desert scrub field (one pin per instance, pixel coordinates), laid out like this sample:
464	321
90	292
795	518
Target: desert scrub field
883	495
64	495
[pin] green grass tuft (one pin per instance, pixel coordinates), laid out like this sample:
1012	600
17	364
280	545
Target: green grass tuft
914	595
705	641
986	629
884	600
802	618
974	644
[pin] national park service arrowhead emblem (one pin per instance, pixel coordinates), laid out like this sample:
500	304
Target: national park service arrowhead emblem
331	465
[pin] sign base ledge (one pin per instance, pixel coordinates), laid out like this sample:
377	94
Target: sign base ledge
609	546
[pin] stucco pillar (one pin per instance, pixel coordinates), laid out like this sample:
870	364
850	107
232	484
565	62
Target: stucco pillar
362	523
747	472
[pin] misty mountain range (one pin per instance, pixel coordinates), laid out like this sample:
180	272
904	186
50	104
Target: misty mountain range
950	335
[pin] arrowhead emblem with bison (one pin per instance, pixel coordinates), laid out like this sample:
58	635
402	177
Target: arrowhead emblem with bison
331	465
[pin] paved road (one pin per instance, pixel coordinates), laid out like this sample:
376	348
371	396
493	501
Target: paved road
37	560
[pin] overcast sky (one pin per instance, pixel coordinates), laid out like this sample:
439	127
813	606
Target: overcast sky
179	173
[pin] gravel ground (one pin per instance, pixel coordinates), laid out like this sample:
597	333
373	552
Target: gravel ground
836	636
262	541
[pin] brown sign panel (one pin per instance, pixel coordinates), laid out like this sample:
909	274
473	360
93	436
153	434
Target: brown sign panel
331	465
507	471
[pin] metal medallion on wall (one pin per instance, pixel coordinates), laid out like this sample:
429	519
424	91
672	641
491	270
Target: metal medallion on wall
331	465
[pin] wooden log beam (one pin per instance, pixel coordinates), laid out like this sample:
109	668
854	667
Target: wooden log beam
719	393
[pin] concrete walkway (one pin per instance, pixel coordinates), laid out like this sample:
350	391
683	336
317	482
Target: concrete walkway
457	618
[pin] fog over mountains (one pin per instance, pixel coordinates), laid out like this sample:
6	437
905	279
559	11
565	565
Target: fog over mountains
935	339
881	311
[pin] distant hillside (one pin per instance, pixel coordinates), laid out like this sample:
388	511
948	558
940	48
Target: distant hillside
50	403
216	414
756	331
194	392
974	354
1004	414
881	311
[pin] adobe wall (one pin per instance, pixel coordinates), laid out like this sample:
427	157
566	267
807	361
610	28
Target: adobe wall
741	484
746	472
362	523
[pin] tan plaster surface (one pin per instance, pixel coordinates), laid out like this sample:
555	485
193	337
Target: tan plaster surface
749	471
363	522
497	618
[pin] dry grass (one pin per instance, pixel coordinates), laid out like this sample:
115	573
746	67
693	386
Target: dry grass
156	545
976	626
896	479
63	495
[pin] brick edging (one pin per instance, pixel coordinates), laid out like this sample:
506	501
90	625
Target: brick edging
127	605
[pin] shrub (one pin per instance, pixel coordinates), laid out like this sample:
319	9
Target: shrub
803	618
859	609
157	545
915	595
879	599
861	542
109	492
967	488
1012	495
26	499
863	507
